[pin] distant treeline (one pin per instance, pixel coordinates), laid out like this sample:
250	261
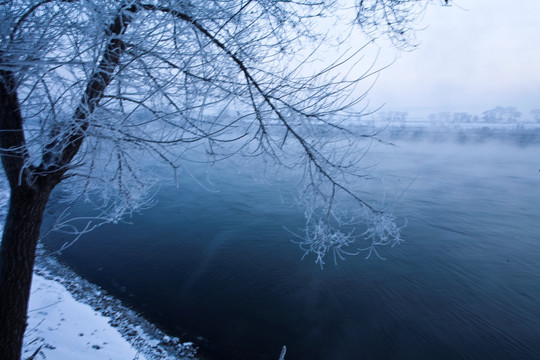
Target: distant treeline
501	123
520	134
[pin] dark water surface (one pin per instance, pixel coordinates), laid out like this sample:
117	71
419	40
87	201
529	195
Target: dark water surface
218	264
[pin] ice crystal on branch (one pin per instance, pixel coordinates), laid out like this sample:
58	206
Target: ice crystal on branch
341	233
382	230
321	238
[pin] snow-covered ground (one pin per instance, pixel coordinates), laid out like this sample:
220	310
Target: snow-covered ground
60	327
70	318
67	312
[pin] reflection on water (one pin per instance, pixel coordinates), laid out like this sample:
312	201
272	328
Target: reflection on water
465	284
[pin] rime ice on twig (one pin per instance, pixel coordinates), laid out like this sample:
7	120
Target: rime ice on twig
382	230
283	352
322	236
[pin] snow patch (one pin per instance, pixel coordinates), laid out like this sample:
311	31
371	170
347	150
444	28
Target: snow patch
61	328
89	330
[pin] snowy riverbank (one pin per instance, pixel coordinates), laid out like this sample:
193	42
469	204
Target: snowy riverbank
70	318
59	327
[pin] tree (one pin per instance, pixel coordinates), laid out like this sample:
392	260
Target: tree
88	87
536	114
501	114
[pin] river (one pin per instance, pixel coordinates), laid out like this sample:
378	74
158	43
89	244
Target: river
215	262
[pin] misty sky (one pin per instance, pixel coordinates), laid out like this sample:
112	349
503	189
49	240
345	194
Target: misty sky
473	56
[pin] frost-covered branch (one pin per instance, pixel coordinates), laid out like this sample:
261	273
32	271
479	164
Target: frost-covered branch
101	85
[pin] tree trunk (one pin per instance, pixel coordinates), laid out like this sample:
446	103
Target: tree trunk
19	242
28	201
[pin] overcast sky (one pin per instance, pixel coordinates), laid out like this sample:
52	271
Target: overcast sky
473	56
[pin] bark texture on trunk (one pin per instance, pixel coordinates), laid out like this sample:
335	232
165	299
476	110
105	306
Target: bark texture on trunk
19	242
